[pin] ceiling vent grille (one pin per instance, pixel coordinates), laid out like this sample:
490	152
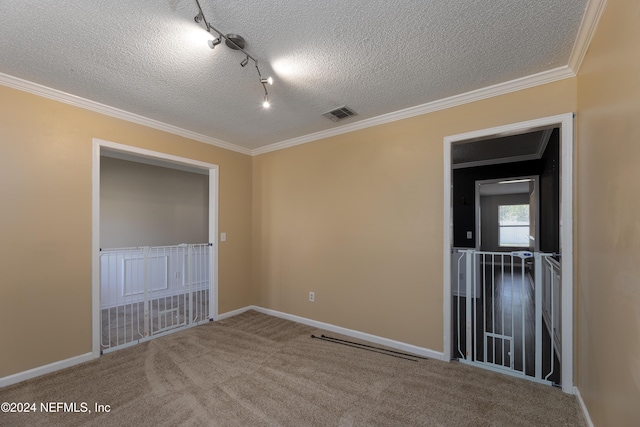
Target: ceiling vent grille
339	113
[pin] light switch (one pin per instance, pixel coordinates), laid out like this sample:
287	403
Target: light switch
223	237
469	235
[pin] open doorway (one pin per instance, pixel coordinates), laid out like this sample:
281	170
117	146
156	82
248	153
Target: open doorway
154	238
507	214
470	273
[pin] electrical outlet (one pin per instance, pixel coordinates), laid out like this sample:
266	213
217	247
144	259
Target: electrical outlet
312	296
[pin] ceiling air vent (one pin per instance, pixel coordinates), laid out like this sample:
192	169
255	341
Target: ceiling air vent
339	113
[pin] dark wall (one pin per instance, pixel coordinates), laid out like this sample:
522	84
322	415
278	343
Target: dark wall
550	196
464	195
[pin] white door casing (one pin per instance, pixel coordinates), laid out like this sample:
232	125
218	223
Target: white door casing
566	124
143	155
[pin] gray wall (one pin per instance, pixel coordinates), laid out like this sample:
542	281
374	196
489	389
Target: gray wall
489	217
144	205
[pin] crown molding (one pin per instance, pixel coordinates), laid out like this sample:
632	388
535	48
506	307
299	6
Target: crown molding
590	19
588	25
544	77
533	80
57	95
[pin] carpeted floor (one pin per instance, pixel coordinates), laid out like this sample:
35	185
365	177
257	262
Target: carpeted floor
258	370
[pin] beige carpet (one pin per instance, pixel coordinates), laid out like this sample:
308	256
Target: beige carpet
258	370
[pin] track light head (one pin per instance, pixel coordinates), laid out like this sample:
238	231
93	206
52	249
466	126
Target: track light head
266	103
244	62
267	80
213	43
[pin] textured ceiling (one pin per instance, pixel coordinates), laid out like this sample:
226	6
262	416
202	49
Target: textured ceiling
497	189
150	58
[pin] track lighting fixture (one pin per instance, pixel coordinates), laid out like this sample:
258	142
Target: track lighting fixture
234	42
213	43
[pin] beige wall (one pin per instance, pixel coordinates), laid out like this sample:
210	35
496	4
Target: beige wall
146	205
45	223
608	234
358	218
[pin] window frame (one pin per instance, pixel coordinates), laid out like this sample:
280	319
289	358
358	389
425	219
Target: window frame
501	226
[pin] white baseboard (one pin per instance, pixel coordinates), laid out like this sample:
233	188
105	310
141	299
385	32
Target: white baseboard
46	369
232	313
585	412
409	348
398	345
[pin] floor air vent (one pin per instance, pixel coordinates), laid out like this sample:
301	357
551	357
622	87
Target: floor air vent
339	113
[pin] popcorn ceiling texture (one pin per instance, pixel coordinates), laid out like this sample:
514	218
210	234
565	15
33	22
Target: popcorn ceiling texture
149	57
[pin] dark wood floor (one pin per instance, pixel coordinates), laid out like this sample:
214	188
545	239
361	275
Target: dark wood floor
504	302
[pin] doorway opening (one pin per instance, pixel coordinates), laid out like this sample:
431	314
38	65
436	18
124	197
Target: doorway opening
144	283
508	282
507	214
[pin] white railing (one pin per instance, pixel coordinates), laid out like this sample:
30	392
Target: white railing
551	307
145	291
501	301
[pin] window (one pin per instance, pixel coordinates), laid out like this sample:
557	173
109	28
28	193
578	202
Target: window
513	223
